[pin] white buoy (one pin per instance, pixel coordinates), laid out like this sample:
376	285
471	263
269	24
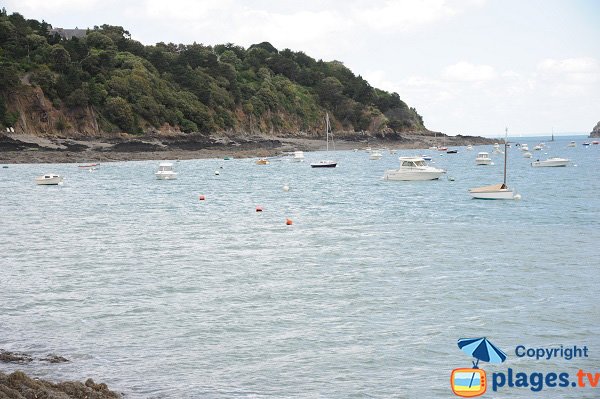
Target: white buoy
217	172
286	188
517	197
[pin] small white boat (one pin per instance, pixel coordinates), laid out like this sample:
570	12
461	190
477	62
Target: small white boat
537	148
49	179
572	144
524	147
375	155
496	146
527	154
165	171
551	162
483	158
298	156
413	168
495	192
470	147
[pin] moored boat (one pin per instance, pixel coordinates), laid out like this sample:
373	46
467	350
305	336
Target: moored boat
413	168
48	179
551	162
165	171
483	158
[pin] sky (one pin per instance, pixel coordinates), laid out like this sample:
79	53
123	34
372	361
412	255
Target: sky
469	67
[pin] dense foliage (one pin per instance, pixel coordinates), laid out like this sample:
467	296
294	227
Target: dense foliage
197	88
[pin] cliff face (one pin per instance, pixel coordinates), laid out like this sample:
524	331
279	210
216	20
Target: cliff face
38	116
596	131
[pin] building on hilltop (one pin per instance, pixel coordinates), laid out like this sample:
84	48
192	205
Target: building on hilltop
68	34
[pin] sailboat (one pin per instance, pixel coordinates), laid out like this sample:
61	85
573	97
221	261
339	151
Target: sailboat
326	163
496	191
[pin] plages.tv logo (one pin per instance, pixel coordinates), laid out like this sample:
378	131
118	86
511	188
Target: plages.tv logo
470	382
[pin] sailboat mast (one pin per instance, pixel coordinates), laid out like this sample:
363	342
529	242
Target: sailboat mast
505	152
327	129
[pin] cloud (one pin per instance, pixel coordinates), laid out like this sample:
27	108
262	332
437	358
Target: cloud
30	6
572	71
467	72
403	14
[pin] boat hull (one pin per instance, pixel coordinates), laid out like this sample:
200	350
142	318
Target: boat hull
49	182
324	164
550	164
166	176
483	161
504	194
412	176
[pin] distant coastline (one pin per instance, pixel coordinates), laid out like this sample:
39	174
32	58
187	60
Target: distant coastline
16	149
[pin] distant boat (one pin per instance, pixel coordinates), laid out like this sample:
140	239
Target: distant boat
585	144
496	191
327	163
524	147
88	166
551	162
527	154
375	155
452	152
298	156
595	142
413	168
470	147
165	171
483	158
262	161
572	144
49	179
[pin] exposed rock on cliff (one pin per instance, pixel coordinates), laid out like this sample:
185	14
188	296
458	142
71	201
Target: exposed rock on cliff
596	131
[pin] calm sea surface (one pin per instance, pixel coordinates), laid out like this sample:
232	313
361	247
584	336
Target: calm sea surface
142	286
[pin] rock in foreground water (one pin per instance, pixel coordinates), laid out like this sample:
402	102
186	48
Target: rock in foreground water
19	386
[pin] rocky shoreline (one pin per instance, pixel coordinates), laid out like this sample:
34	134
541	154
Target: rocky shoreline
20	148
18	385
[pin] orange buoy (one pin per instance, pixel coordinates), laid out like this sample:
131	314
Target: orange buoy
259	208
202	198
288	222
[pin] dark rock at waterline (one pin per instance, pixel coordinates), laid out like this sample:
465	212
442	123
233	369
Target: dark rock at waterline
19	386
14	357
51	358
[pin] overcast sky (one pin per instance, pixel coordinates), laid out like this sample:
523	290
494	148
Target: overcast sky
469	66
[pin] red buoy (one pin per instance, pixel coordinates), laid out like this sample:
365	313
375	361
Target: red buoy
259	208
202	198
288	222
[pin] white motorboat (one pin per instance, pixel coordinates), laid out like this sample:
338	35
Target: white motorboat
496	191
524	147
572	144
483	158
413	168
326	163
496	146
165	171
49	179
375	155
551	162
470	147
527	154
537	148
298	156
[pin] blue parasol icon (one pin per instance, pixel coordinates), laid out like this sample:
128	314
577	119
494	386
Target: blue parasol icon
481	349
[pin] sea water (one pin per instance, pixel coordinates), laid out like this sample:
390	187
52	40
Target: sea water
143	286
